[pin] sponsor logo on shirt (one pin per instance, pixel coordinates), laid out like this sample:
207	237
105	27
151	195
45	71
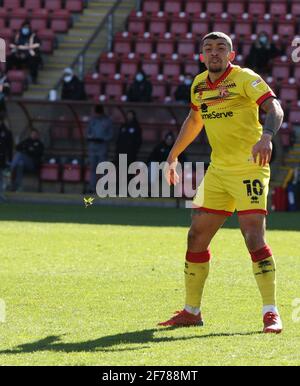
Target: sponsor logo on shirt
215	115
256	83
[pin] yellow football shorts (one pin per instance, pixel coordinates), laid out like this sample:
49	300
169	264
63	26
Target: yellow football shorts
224	191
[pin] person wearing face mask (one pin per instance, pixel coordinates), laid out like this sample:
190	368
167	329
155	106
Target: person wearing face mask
141	89
73	88
130	138
261	53
6	151
183	93
25	52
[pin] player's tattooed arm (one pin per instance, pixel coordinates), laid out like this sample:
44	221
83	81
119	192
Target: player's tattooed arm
274	116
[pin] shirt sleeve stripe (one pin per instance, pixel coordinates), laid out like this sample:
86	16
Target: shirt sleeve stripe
264	97
194	107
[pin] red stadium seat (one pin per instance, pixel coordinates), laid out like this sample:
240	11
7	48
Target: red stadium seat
281	70
172	6
191	67
17	18
92	86
47	37
136	25
158	25
107	66
278	9
53	5
171	68
264	26
49	172
151	67
39	19
214	7
60	20
74	5
8	35
186	47
129	67
200	26
294	116
243	27
144	47
235	7
295	8
179	26
297	73
165	47
152	6
286	28
71	173
2	25
289	93
17	81
114	89
11	4
246	47
257	8
159	91
122	44
32	4
193	7
222	25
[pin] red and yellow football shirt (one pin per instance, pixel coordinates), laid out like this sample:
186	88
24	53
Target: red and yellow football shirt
230	113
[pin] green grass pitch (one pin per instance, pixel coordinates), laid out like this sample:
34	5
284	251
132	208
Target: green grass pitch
88	286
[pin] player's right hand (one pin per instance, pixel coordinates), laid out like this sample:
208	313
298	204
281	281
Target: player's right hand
170	172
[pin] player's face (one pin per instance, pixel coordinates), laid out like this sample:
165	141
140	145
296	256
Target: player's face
216	53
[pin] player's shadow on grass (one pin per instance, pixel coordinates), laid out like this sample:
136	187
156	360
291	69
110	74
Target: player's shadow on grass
111	342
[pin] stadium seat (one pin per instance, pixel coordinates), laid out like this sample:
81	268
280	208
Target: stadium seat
186	47
32	4
278	9
151	67
60	20
17	18
297	73
8	35
158	91
172	6
235	7
288	93
71	173
264	26
286	28
171	68
294	116
191	67
17	80
243	27
151	6
122	44
2	25
11	4
129	67
158	25
200	26
280	70
53	5
223	25
47	37
192	7
246	47
114	89
50	172
257	8
165	47
74	5
136	25
179	26
143	46
214	7
92	86
107	66
39	19
295	9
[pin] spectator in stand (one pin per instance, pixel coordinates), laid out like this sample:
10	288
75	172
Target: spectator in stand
25	52
99	133
183	91
141	89
4	90
27	159
263	50
6	150
73	87
130	138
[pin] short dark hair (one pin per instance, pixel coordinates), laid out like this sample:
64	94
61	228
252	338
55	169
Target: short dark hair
219	35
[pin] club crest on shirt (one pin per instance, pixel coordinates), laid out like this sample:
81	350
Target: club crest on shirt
223	92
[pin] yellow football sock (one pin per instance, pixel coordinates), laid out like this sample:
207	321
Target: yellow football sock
196	272
264	270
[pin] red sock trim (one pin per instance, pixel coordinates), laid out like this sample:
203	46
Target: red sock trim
261	254
198	257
